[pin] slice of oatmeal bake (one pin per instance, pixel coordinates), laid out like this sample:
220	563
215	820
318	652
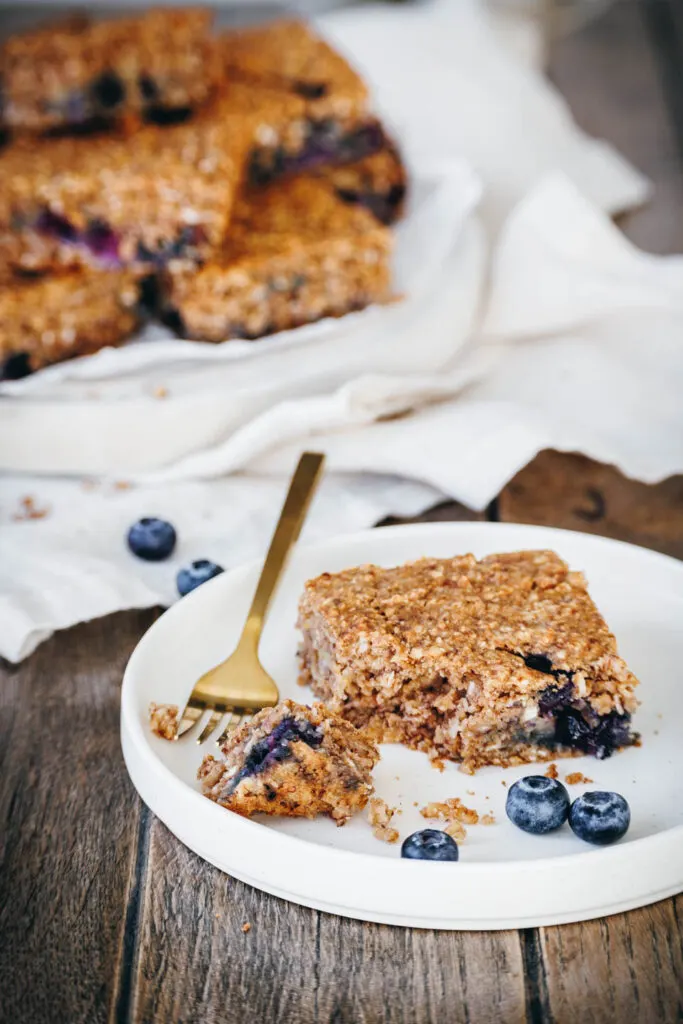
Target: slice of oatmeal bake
499	661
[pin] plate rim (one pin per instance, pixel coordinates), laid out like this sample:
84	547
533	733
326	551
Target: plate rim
139	754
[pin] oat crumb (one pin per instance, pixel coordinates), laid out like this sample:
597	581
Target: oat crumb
453	809
379	812
438	763
246	927
29	510
487	819
161	392
503	782
122	485
470	792
163	720
456	830
386	833
577	779
551	771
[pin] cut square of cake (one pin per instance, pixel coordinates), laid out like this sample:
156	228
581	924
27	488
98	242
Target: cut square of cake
499	661
77	70
163	194
295	761
295	253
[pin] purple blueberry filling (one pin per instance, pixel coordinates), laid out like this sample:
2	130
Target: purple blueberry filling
310	90
384	206
325	143
183	245
276	747
98	238
16	366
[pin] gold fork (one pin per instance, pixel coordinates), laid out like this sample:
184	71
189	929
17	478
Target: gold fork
240	685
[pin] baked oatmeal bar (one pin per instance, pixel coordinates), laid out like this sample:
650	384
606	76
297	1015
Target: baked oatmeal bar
164	194
330	119
295	253
74	71
500	661
294	761
378	183
49	319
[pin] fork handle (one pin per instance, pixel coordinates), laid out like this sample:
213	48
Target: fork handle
292	516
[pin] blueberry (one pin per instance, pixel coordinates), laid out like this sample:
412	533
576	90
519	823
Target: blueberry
151	539
600	818
429	844
196	574
108	90
537	804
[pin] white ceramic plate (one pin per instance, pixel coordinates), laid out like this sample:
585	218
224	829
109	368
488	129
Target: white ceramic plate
505	878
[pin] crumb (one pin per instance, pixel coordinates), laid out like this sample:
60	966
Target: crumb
450	809
379	812
122	485
456	831
438	763
487	819
551	771
503	782
163	720
246	927
577	779
415	803
29	510
160	392
386	834
470	792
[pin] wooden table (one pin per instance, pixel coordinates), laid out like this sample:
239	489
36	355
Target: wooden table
104	915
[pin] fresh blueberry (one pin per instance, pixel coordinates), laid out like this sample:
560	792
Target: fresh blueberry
429	844
196	574
600	818
537	804
151	539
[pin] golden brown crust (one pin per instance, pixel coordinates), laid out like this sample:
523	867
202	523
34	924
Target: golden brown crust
331	777
163	58
295	252
432	654
76	313
288	55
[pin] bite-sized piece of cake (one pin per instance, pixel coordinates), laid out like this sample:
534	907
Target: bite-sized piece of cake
48	319
378	183
331	119
294	761
294	253
499	661
164	194
74	71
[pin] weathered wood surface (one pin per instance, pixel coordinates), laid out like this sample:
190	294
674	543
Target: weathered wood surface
104	916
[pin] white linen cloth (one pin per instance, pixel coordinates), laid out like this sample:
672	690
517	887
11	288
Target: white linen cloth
529	324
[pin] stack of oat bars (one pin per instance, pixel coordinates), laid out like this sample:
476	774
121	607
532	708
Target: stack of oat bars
231	185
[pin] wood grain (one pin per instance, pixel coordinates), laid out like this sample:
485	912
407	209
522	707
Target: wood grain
298	966
575	493
70	823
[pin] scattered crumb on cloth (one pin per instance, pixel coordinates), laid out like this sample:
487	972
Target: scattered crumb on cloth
576	779
29	510
551	771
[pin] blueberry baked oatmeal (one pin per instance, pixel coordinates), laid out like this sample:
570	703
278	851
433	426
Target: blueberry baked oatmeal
164	194
72	72
48	319
295	252
377	183
330	112
493	662
295	761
